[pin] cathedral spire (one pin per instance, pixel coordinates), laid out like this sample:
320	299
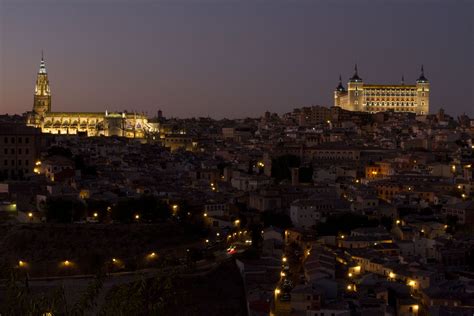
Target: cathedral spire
42	69
42	96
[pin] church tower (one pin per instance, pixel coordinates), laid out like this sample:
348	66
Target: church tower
338	93
355	91
422	94
42	98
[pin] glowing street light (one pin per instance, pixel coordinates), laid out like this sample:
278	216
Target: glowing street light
30	215
96	214
21	264
284	259
350	274
137	217
277	291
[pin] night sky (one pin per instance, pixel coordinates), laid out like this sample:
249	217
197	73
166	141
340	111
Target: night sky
230	58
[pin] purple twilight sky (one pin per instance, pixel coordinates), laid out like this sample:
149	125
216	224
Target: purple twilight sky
230	58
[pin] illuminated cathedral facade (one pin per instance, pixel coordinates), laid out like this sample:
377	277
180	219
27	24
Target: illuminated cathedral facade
373	98
121	124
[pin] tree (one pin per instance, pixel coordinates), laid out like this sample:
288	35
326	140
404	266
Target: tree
148	207
386	222
59	151
344	223
281	166
64	210
279	220
21	301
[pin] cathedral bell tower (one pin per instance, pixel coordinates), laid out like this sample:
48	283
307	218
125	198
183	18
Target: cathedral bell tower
42	97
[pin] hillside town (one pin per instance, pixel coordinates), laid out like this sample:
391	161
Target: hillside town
319	211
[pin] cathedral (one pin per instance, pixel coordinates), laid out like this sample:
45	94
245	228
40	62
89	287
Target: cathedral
121	124
372	98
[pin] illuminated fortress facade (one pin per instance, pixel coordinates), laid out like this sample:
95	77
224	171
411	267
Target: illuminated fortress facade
121	124
372	98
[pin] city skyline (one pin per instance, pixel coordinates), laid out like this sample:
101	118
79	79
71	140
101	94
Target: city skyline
286	56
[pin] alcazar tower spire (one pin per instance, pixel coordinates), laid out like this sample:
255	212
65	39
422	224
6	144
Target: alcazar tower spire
42	97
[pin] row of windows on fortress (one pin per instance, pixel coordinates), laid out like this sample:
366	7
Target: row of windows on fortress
386	94
391	91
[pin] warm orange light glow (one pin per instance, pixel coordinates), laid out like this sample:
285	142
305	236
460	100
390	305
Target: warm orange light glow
96	214
30	215
137	216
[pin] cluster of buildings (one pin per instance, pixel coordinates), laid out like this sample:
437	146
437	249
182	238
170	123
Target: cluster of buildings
362	208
